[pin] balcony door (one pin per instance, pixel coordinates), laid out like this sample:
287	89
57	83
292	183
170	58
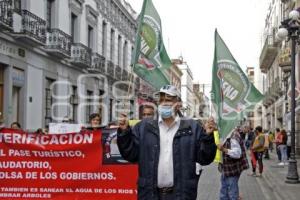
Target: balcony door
16	103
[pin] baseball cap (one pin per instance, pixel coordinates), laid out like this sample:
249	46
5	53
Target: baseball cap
170	90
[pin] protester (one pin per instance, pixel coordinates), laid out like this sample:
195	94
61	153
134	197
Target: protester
258	150
41	131
289	144
250	138
281	141
277	143
266	145
15	125
94	120
166	150
234	163
148	111
271	141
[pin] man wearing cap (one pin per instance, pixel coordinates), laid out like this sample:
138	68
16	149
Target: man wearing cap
166	150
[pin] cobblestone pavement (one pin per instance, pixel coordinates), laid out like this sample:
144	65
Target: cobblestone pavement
250	187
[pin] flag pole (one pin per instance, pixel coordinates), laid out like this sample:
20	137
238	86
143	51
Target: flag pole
136	49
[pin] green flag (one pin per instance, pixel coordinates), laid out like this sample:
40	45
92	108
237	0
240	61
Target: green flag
233	95
150	59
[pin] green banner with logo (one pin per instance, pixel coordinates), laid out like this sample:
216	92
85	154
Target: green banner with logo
150	59
233	95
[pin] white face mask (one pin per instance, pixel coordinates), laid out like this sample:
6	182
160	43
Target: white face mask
165	111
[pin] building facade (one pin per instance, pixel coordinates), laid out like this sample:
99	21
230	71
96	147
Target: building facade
275	64
65	59
187	96
250	115
175	74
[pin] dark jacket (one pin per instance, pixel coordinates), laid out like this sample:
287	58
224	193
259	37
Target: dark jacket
190	145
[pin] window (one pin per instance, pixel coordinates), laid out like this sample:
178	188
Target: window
89	105
104	37
125	54
49	11
112	44
90	37
132	52
74	20
17	6
110	109
48	101
119	50
74	104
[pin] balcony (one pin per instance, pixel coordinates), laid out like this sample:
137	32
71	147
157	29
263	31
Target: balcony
268	54
98	64
80	55
6	14
32	30
118	72
58	43
278	87
285	60
125	75
110	69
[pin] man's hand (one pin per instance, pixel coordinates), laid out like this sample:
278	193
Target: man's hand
222	148
123	122
210	126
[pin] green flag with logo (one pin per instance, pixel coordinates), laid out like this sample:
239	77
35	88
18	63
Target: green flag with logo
150	59
233	95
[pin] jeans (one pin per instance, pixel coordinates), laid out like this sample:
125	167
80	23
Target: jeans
278	153
283	152
229	187
258	157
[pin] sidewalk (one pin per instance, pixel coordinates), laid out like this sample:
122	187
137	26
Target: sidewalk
274	177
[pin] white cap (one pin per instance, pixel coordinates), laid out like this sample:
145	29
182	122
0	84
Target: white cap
170	90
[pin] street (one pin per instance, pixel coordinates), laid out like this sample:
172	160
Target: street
250	187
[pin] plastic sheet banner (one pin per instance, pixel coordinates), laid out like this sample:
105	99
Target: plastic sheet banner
85	165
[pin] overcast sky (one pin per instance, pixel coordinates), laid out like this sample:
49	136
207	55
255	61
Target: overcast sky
188	30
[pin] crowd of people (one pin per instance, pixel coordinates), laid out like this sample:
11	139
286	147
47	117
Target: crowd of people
168	148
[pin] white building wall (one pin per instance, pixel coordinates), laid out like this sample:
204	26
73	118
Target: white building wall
37	7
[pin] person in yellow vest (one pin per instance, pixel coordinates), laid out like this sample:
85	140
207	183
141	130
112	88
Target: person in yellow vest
258	150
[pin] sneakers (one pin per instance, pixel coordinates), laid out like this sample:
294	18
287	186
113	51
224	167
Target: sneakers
259	175
281	164
252	174
286	163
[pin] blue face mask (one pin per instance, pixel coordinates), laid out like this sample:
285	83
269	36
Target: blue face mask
165	111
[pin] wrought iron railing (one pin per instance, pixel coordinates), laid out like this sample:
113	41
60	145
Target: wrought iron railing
118	72
81	54
110	68
125	75
98	63
33	26
6	11
58	40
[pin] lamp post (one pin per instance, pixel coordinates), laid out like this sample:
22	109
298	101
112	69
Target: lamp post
290	28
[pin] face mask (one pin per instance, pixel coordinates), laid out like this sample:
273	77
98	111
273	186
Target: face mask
165	111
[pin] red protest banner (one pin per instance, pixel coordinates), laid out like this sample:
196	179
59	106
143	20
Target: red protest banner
64	166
